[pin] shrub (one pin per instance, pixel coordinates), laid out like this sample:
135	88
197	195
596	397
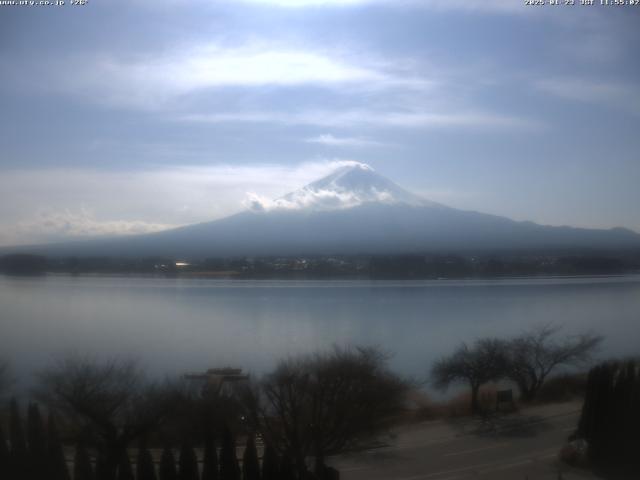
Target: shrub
563	388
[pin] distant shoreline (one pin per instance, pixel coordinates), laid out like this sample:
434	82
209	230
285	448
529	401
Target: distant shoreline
236	279
338	267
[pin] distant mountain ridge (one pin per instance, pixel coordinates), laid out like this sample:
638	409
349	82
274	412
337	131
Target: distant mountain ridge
354	210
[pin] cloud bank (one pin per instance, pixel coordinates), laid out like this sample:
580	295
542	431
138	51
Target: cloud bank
50	225
333	141
154	81
620	96
352	118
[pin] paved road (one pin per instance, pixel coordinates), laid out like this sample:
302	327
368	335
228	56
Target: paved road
515	447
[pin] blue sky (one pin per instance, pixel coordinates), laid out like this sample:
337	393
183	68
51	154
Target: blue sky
133	116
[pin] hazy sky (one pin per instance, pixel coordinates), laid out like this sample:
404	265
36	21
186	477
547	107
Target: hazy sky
135	115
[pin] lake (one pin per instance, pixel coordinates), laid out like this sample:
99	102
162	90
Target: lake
178	325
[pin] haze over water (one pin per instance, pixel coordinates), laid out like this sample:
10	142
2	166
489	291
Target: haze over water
178	325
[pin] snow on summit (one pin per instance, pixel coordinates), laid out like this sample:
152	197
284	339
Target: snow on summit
349	186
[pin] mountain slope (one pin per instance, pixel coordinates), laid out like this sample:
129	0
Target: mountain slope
352	211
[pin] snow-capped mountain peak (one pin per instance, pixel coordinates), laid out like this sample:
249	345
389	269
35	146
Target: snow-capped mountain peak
349	186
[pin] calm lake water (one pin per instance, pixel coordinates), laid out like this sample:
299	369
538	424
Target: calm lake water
178	325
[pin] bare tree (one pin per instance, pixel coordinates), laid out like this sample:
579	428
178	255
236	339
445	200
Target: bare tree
112	399
476	365
322	404
533	355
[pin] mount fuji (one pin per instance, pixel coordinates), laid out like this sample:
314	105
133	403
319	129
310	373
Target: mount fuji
354	210
349	186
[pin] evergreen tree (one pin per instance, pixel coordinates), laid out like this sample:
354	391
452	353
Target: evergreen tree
36	439
56	462
168	465
229	469
82	469
286	468
188	463
625	418
250	465
585	424
19	453
270	470
102	468
125	472
4	456
604	424
610	416
634	422
210	461
145	469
